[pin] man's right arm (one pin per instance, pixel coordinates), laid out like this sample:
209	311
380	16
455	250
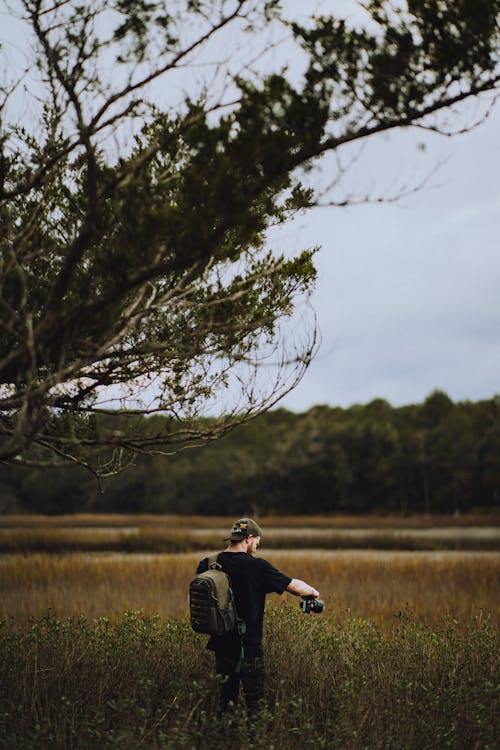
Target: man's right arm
202	566
301	588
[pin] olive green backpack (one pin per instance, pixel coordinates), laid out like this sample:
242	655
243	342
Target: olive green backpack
211	602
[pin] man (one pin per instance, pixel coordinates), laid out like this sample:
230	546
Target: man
241	658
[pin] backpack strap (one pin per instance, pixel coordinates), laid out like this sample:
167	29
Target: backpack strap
213	563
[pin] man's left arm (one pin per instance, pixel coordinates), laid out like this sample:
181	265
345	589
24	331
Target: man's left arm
274	580
301	588
279	582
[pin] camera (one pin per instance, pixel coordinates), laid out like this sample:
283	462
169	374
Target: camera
310	604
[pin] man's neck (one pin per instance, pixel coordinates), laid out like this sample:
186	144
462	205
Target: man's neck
240	547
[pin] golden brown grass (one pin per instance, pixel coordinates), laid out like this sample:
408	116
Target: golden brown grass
60	534
102	539
374	586
115	520
334	680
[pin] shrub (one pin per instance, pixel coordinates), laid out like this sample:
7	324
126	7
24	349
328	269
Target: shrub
148	683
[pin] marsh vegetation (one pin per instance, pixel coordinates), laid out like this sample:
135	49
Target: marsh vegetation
97	651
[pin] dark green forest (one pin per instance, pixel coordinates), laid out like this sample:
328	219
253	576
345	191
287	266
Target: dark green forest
434	457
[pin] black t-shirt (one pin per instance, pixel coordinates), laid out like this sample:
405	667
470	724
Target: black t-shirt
251	579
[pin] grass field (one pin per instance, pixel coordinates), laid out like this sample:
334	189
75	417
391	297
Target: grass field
96	650
142	533
374	585
117	520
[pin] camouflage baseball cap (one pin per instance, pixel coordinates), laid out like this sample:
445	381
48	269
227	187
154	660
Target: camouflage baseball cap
243	528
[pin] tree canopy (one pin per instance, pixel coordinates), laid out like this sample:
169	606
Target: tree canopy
434	457
148	151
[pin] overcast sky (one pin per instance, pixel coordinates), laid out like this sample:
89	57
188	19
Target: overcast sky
408	295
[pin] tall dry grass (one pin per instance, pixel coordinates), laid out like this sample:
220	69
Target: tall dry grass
404	656
163	538
376	586
172	521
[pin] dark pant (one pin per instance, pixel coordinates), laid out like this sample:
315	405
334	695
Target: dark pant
251	674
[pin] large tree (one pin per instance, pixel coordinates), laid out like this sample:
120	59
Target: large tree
147	152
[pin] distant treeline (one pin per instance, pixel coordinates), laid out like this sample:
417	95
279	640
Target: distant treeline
434	457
